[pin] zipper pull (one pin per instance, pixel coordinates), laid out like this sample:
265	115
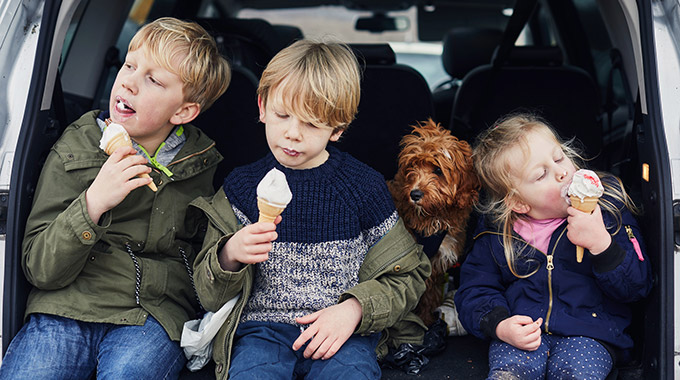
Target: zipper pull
550	265
636	245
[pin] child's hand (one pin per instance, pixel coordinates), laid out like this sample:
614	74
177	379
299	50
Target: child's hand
330	328
520	331
249	245
115	180
588	230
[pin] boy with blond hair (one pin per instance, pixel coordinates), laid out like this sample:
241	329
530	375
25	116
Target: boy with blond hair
110	259
338	267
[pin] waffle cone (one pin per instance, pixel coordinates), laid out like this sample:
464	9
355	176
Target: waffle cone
120	140
269	211
586	205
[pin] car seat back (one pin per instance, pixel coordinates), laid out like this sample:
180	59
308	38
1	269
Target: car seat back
532	79
233	123
464	48
393	97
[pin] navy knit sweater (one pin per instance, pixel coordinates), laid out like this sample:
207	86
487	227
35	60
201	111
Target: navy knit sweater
338	211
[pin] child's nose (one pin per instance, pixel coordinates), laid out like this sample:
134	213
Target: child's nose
293	131
130	84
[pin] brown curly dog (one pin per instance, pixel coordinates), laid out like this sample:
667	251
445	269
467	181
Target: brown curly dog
434	190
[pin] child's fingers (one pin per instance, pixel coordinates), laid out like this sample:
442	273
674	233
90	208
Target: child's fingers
534	344
309	318
323	348
335	347
136	182
136	170
522	319
254	258
315	345
262	227
122	152
304	337
257	248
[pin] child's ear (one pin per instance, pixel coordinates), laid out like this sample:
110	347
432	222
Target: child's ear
336	135
186	113
261	107
517	205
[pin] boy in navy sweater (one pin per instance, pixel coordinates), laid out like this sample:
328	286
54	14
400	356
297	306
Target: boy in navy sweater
306	291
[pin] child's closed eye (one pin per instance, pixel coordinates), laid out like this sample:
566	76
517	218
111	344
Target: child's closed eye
154	81
542	175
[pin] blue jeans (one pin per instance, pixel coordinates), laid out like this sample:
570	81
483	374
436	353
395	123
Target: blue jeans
263	350
558	357
52	347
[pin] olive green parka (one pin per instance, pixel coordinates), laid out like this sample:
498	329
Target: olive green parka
87	271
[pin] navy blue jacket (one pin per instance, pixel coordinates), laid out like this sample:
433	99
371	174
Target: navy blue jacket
587	299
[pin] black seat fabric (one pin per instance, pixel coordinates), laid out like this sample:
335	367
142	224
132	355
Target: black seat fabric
288	34
250	43
393	97
233	122
464	48
532	79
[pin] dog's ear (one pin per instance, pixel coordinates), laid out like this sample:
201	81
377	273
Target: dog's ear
468	194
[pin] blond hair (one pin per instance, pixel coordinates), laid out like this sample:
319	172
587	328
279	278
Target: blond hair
318	82
495	170
186	49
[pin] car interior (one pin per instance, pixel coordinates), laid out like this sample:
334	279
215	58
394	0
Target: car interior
558	58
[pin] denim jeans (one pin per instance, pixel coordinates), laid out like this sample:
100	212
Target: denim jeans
558	357
52	347
263	350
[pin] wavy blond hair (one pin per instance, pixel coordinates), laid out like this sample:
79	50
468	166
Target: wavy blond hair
186	49
318	82
494	168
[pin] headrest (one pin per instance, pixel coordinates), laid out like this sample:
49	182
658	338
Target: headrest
257	31
288	33
533	56
466	48
374	54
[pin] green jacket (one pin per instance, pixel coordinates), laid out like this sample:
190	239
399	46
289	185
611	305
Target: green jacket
82	270
391	281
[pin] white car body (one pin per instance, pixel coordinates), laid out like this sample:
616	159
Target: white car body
649	39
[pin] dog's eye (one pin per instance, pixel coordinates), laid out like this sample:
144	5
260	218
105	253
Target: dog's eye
437	171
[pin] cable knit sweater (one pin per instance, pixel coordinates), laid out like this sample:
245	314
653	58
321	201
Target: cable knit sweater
338	211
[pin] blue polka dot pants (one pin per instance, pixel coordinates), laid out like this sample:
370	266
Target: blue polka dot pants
557	357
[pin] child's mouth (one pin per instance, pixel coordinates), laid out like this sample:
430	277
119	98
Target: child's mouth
291	152
124	108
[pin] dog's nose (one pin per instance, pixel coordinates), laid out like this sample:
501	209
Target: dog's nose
416	195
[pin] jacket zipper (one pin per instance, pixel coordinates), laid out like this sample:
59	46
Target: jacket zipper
634	241
550	266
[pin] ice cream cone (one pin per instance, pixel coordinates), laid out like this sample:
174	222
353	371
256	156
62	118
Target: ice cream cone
269	211
121	140
587	205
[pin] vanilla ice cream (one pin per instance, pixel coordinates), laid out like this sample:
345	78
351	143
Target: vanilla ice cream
274	189
585	184
112	130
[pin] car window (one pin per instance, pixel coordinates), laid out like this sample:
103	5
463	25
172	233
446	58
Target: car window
338	22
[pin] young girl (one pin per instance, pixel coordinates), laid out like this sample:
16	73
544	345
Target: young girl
548	315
